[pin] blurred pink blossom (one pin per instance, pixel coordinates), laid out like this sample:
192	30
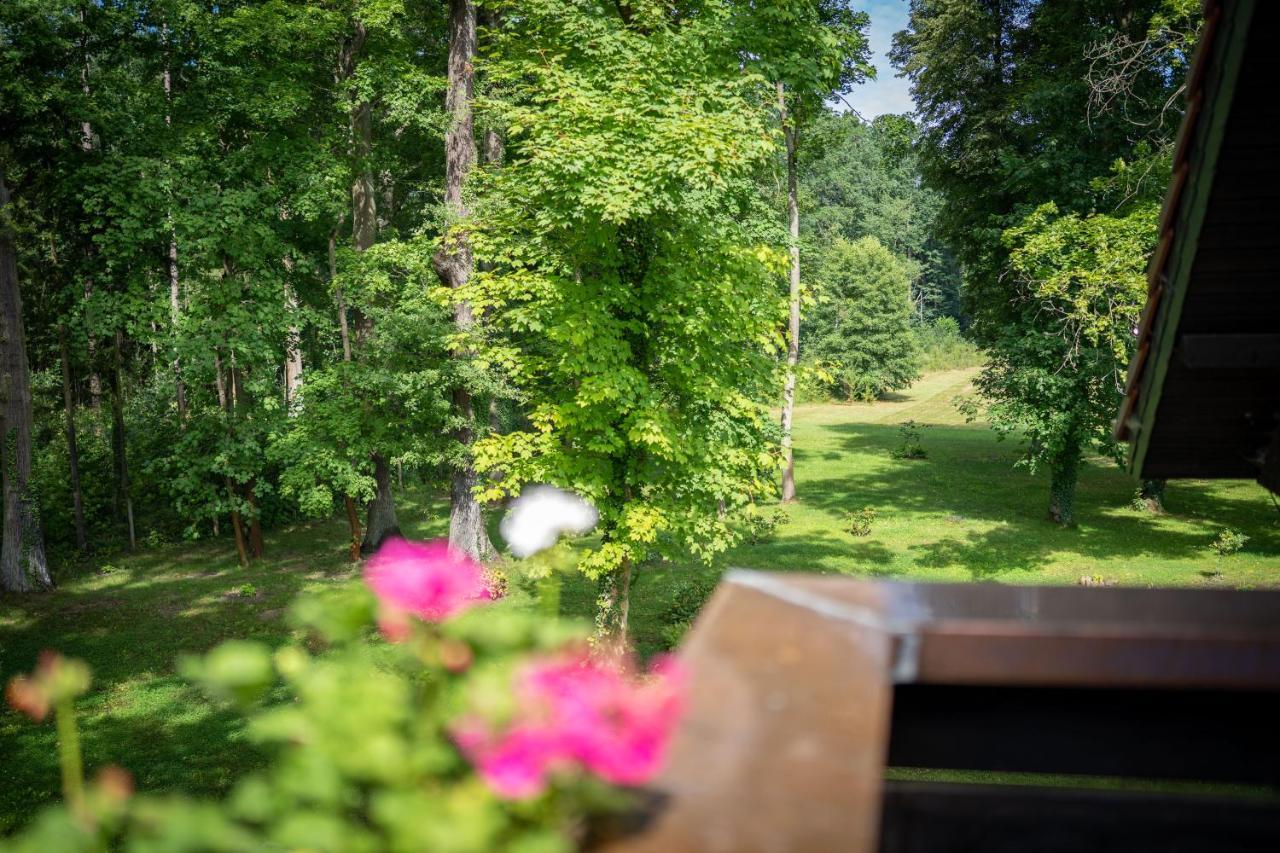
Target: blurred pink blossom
428	580
574	709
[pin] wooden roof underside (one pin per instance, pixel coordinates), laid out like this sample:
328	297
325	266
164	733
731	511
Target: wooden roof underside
1203	398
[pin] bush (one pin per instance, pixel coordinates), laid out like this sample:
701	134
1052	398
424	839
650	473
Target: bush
762	526
1228	542
943	347
687	598
909	446
858	521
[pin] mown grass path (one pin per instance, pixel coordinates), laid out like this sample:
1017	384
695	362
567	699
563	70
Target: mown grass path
963	514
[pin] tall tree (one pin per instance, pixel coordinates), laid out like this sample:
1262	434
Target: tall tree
863	328
381	521
454	263
812	50
1028	149
23	565
633	267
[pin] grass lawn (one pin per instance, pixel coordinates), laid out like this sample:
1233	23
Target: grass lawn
963	514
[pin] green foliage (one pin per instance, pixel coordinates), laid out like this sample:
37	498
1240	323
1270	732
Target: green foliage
862	179
688	595
863	328
762	526
387	400
858	521
909	443
1228	542
361	752
942	347
631	286
1055	377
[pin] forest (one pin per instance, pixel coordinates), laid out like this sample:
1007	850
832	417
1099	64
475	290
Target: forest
274	255
269	263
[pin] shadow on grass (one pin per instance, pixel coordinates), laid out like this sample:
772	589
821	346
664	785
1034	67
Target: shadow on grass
131	624
971	478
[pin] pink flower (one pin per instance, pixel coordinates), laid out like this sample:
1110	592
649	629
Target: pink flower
428	580
577	710
514	764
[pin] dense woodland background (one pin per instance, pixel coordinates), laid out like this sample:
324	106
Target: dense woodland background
276	255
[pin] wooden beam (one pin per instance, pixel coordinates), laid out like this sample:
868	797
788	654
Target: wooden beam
946	818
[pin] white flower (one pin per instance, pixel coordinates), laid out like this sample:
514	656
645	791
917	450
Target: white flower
541	513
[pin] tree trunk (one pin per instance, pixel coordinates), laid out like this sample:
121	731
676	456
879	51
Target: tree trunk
95	381
793	325
175	285
454	262
613	615
1151	496
228	408
175	317
1063	472
256	547
86	145
353	521
292	353
382	509
353	517
343	330
119	442
23	565
73	451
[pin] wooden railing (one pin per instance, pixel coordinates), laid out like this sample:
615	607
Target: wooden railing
1157	712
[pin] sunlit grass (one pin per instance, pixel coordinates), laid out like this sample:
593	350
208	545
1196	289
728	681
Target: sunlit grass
963	514
967	514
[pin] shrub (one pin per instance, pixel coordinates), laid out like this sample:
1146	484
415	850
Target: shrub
943	347
762	526
909	446
863	325
858	521
1228	542
687	598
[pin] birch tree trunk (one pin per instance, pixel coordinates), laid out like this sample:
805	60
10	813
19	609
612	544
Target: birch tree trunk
175	284
292	347
793	325
86	145
454	263
73	449
23	565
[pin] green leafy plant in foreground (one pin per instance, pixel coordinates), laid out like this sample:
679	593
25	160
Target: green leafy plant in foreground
407	745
